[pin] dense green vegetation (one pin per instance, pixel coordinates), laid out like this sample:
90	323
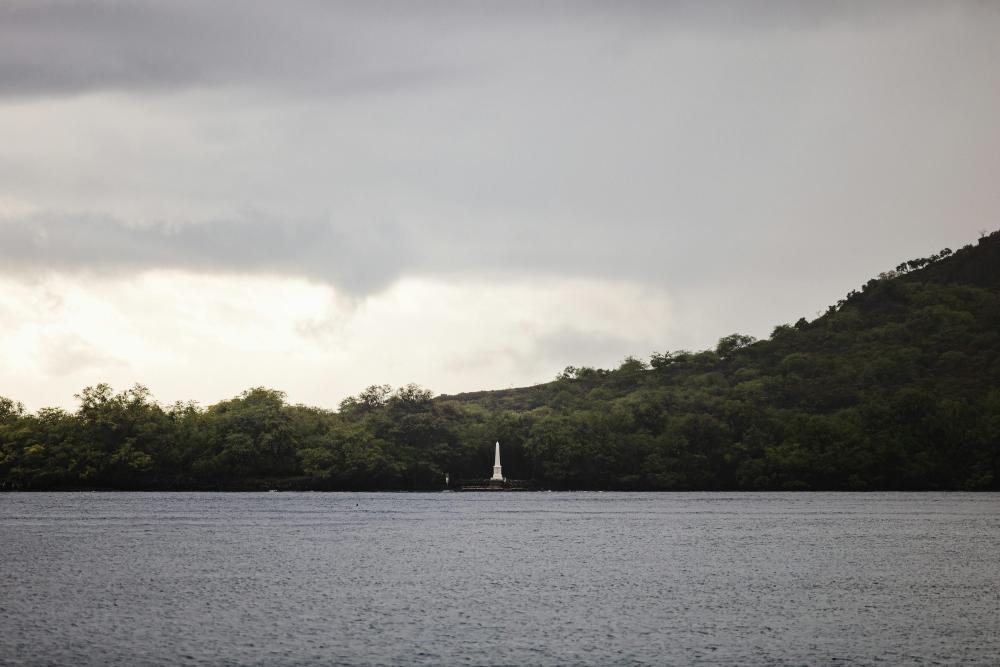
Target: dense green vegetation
897	386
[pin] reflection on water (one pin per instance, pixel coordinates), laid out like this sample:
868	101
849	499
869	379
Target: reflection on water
532	578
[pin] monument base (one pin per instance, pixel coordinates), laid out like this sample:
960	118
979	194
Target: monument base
496	485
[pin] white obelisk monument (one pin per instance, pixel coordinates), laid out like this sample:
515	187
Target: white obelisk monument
497	473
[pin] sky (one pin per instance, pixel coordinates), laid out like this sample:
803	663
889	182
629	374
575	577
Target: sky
204	197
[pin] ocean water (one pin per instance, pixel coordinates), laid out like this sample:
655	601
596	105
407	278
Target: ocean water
499	579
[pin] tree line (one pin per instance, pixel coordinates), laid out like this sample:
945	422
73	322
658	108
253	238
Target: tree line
897	386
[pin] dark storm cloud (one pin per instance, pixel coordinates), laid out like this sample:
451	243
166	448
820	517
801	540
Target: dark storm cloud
56	48
67	47
363	261
359	259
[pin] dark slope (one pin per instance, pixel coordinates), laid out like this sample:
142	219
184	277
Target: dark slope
937	326
894	387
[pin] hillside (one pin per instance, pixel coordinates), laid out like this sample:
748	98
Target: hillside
895	387
926	297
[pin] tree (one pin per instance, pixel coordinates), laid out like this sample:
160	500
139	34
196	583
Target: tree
10	410
730	344
372	398
632	366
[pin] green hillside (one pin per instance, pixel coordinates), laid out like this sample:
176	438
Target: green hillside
897	386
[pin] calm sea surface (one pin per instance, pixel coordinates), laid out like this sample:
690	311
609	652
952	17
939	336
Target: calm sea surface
515	578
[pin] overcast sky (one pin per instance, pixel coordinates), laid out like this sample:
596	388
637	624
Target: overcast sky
313	196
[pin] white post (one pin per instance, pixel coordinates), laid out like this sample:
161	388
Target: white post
497	472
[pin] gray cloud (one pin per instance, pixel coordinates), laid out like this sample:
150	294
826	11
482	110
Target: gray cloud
674	143
359	262
358	259
67	47
71	47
